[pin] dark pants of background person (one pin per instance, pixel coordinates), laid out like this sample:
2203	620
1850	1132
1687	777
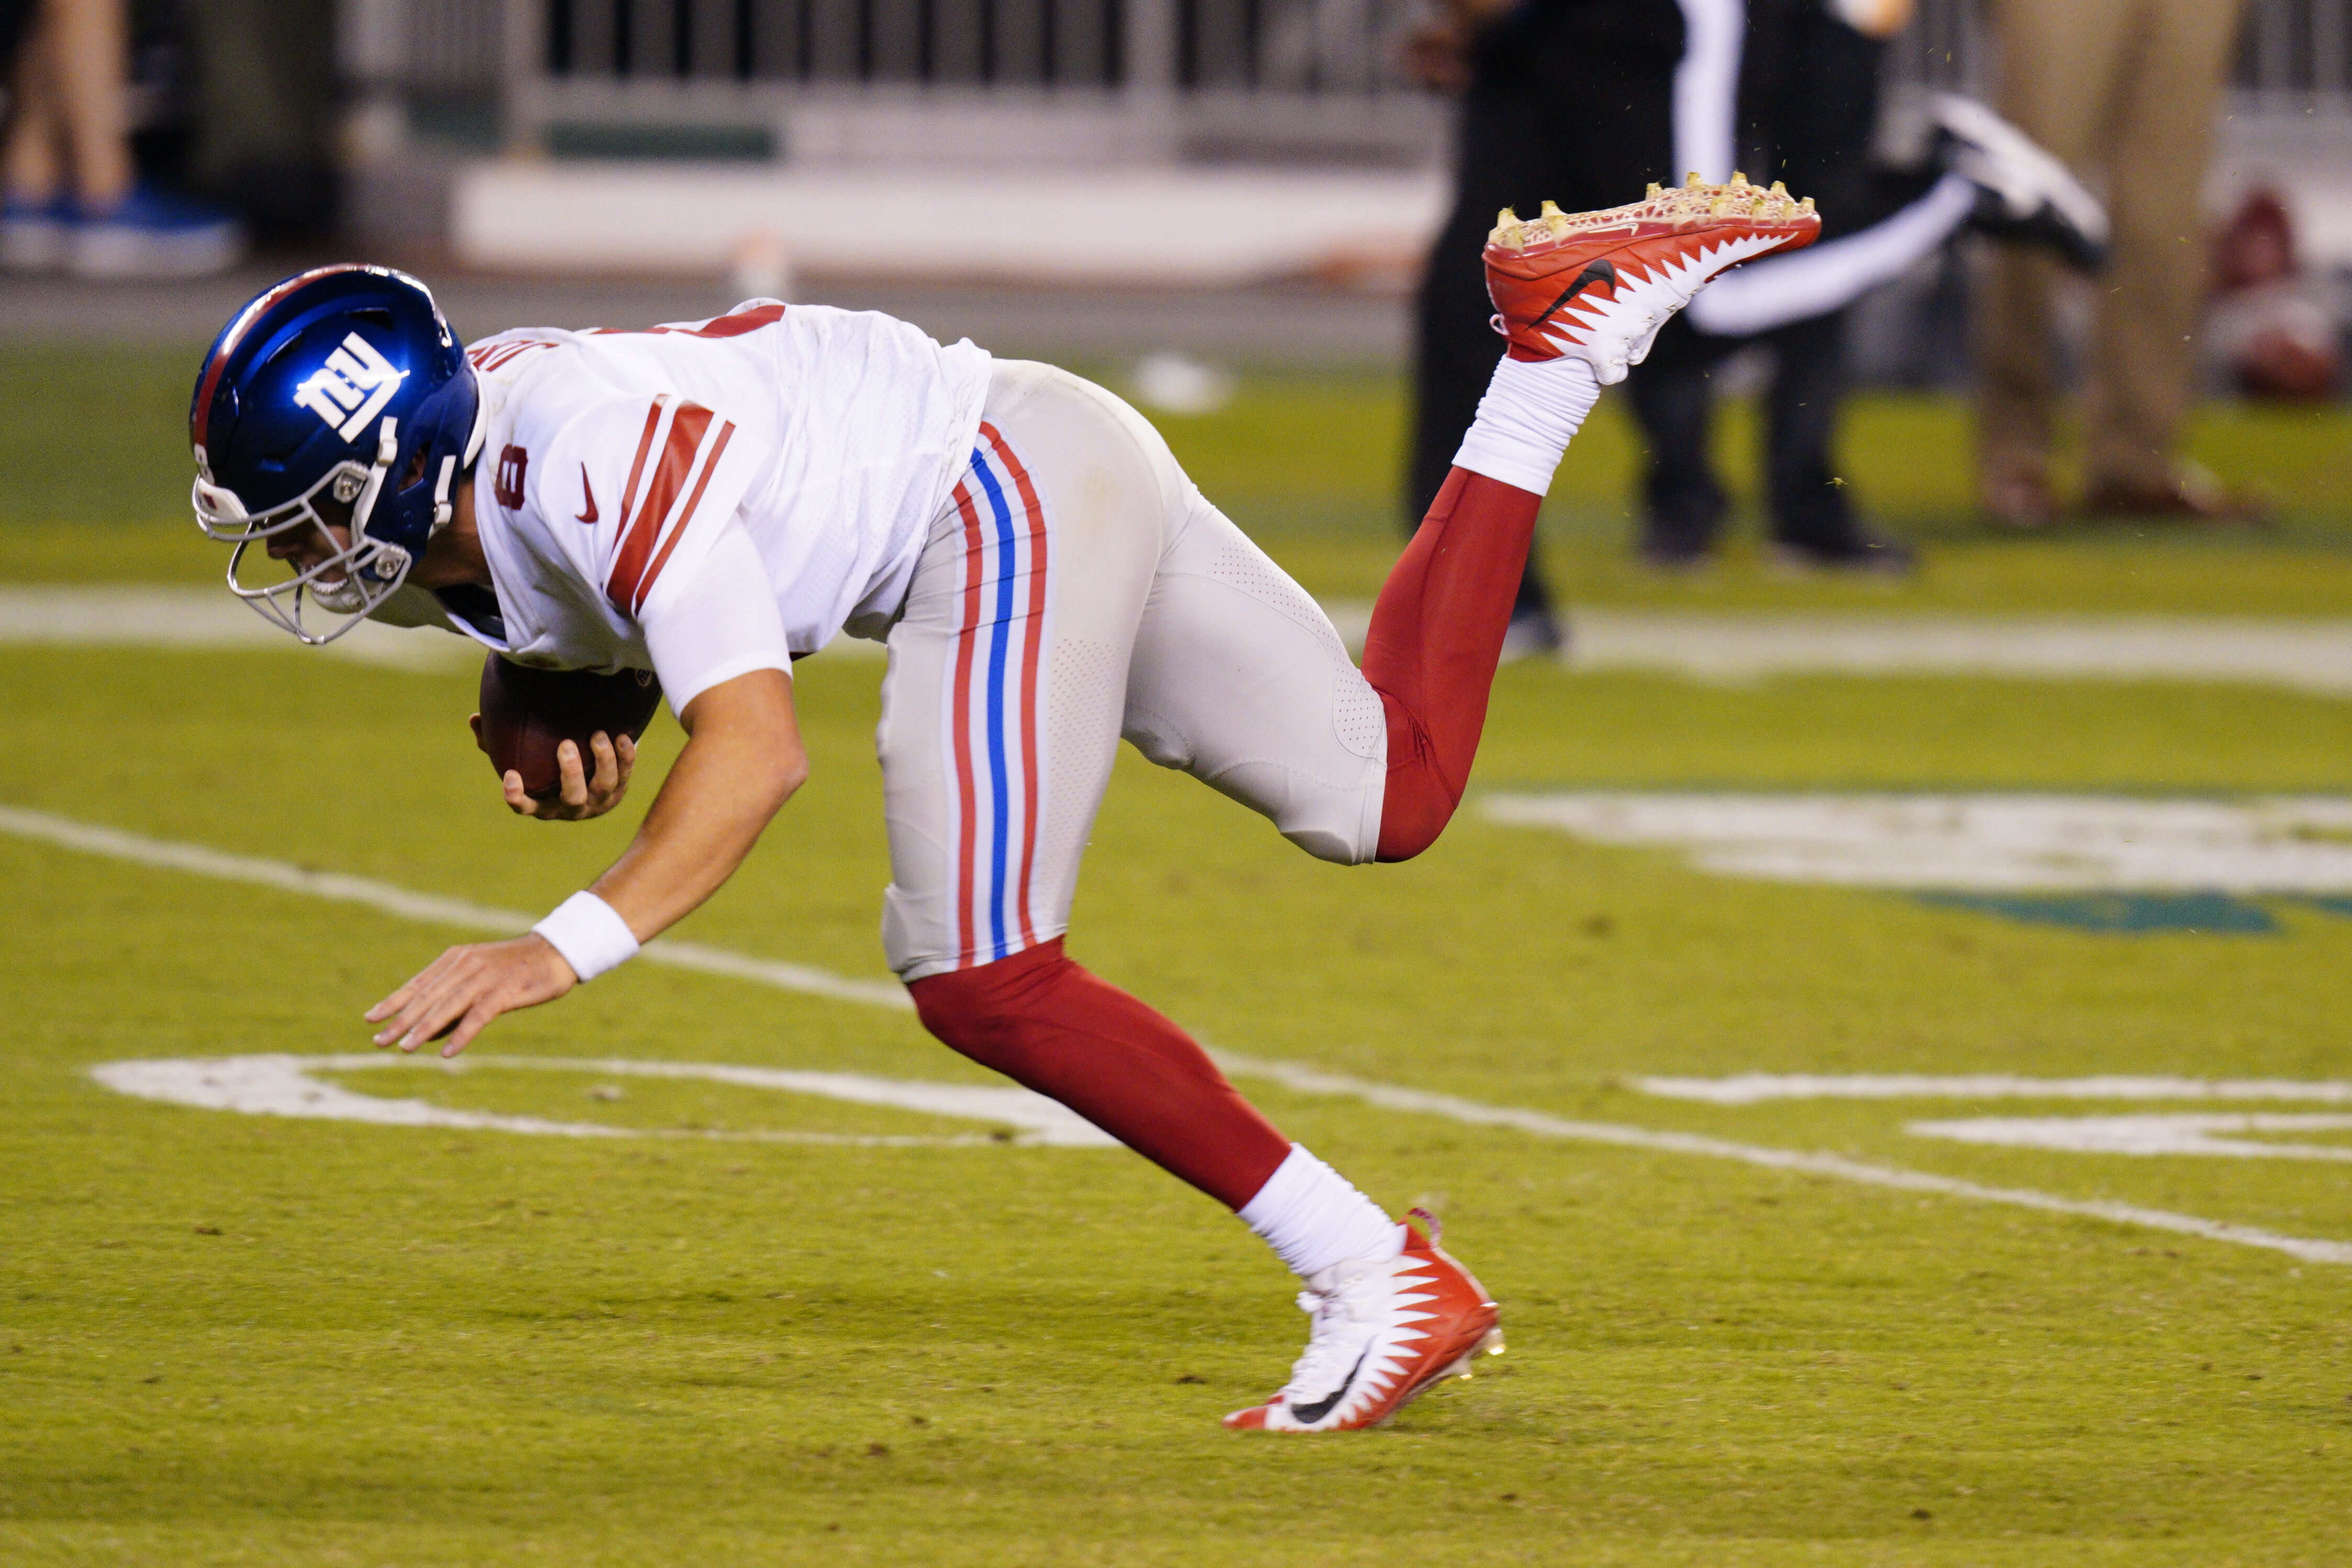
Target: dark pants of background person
1571	102
1808	112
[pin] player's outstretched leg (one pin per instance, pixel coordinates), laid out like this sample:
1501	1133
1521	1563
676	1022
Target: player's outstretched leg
1581	297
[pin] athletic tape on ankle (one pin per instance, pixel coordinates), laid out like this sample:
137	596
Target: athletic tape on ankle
1530	412
590	933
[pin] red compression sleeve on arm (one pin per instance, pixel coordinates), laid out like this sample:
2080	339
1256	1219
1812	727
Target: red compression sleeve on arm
1436	636
1045	1023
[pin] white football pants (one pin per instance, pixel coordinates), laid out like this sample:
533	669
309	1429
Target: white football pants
1077	588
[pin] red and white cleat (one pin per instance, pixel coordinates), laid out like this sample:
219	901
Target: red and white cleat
1598	286
1384	1334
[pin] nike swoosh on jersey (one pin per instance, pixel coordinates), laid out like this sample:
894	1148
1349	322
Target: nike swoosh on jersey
590	515
1600	271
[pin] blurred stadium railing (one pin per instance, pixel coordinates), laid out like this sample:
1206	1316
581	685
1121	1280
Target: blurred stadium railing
678	132
1277	79
1062	81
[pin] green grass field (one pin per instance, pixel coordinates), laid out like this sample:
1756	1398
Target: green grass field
234	1339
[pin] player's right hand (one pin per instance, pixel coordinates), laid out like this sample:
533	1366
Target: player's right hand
577	797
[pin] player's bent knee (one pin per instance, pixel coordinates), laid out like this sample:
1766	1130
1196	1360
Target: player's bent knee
976	1010
1414	812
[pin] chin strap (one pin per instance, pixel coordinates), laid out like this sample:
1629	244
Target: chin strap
387	450
442	511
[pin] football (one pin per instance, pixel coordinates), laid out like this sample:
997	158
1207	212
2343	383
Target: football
527	713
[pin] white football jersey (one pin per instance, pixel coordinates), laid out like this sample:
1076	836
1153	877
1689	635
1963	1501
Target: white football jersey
617	465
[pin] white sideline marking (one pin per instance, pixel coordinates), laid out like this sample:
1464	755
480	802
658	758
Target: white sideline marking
277	1084
2145	1135
1755	1088
426	907
156	617
42	826
1309	1081
2302	655
2010	843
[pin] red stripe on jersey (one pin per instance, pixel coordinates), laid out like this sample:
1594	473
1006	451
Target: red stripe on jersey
959	718
1033	517
645	444
687	428
718	451
733	326
492	356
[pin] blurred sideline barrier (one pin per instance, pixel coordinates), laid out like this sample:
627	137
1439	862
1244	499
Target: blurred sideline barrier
1148	228
1204	142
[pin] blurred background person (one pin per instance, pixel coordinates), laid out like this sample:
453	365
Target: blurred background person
2127	87
74	199
262	101
1597	98
1563	101
1805	110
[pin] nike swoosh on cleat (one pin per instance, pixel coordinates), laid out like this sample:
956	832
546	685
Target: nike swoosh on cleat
1308	1415
1600	271
590	515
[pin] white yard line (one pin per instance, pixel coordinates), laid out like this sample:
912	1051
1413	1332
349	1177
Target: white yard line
1755	1088
278	1084
2302	656
1307	1080
429	908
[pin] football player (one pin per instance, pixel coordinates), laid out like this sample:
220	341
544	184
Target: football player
708	499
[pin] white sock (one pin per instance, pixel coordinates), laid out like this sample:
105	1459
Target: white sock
1313	1217
1530	412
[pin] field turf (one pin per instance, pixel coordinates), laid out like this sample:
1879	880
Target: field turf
229	1338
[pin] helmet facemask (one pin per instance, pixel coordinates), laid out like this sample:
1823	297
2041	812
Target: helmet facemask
353	580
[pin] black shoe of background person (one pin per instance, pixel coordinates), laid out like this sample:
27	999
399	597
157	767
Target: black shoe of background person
1860	551
1673	548
2022	192
1535	631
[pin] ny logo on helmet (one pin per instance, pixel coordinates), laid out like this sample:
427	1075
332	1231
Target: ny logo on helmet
351	388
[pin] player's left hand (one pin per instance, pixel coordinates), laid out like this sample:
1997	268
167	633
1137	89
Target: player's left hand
462	990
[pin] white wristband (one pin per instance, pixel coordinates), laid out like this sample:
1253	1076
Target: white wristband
590	935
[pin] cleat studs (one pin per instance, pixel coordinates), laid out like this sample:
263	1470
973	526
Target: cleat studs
1506	219
1654	193
1738	181
1780	190
1806	207
1551	210
1694	183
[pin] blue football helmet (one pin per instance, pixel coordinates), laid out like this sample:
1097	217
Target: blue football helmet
342	384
